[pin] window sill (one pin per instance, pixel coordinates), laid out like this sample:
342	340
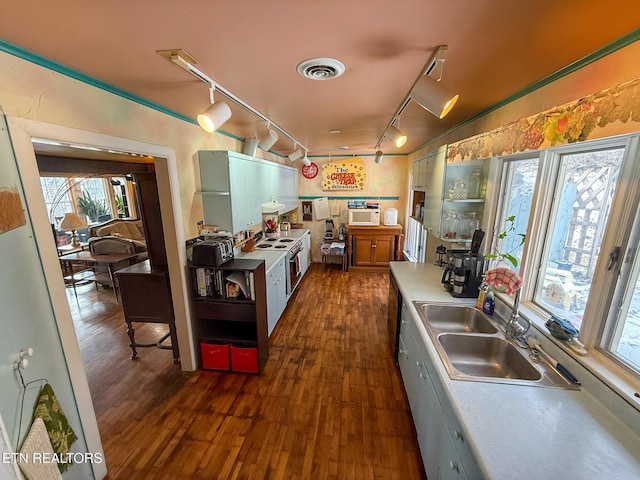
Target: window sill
604	370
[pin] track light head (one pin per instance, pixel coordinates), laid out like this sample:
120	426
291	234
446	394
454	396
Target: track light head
378	158
433	96
306	160
214	116
396	136
268	140
295	155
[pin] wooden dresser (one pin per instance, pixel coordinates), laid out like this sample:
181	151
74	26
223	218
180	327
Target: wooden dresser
372	248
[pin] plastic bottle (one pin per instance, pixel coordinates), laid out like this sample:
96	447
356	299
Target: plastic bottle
489	303
483	292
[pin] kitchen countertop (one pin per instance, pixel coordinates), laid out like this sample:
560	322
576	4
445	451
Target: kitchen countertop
525	432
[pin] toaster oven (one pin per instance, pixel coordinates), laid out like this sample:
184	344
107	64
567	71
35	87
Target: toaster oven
212	253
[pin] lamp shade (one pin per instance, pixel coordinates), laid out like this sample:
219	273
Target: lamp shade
396	136
295	155
213	117
268	140
433	96
72	221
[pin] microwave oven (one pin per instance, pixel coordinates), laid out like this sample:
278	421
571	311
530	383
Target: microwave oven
364	217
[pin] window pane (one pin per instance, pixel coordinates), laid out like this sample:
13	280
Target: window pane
520	179
627	343
582	203
56	198
94	202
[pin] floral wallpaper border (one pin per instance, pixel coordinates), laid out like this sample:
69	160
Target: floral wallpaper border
569	123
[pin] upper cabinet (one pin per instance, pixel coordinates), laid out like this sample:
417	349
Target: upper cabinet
234	186
463	199
449	197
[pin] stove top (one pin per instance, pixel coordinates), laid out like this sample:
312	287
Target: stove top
276	243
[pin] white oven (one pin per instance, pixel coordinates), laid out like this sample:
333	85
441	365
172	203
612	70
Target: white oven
294	266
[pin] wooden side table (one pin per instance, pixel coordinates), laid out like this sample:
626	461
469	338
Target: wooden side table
344	259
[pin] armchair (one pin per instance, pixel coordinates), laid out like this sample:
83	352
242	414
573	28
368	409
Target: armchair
107	245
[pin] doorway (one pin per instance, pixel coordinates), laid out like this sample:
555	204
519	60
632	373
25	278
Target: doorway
23	132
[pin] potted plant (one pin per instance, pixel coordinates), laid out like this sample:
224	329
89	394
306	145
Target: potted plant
507	243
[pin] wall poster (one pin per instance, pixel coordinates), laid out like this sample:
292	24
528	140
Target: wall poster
348	174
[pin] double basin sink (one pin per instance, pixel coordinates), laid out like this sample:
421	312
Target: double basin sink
472	347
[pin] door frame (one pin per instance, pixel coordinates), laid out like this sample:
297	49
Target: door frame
22	131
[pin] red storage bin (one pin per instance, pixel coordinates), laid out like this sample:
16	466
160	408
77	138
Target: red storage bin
244	358
215	356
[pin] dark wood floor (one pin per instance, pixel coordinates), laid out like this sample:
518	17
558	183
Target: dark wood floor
329	404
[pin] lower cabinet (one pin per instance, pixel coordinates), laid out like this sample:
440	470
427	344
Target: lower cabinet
276	293
372	248
440	437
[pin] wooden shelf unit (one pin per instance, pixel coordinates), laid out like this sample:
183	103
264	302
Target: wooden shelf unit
236	321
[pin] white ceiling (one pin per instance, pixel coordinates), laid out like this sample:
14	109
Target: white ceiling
496	48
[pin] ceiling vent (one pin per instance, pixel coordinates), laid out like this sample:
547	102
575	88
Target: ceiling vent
320	68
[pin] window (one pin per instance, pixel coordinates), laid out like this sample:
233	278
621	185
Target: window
519	179
582	200
578	204
622	337
56	197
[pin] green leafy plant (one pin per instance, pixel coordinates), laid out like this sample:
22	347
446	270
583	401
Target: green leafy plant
91	208
509	229
120	204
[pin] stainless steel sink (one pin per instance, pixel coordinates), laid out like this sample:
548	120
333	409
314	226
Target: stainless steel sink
473	348
480	356
456	318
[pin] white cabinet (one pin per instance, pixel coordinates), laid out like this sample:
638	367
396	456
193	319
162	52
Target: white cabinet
445	453
276	293
436	164
420	174
234	186
288	181
305	254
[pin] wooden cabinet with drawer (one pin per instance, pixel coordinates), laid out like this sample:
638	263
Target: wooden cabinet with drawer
372	248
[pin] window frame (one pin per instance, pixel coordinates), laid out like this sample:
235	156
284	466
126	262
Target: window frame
599	314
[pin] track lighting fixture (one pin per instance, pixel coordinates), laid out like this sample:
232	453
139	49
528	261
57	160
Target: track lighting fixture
249	146
428	93
268	139
306	160
396	136
378	158
295	155
433	97
215	115
219	112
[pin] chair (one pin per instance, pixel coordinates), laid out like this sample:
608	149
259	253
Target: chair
105	245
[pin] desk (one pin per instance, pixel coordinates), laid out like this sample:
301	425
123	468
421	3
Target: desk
91	260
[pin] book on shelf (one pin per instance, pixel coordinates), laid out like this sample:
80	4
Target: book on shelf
202	280
237	283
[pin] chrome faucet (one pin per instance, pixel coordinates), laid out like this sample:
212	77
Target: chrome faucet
514	328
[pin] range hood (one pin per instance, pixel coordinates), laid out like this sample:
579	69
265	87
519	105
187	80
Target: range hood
272	207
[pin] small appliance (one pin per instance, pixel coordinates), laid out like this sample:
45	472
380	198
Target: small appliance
212	253
463	274
328	230
362	217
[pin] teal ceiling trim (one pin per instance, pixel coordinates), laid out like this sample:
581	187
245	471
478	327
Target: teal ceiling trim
608	49
348	197
71	73
358	155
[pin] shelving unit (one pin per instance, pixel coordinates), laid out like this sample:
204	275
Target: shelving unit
231	321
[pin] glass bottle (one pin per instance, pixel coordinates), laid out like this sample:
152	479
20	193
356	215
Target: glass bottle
471	224
451	225
474	183
459	190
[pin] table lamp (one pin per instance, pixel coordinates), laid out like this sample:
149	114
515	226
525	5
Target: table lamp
73	222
